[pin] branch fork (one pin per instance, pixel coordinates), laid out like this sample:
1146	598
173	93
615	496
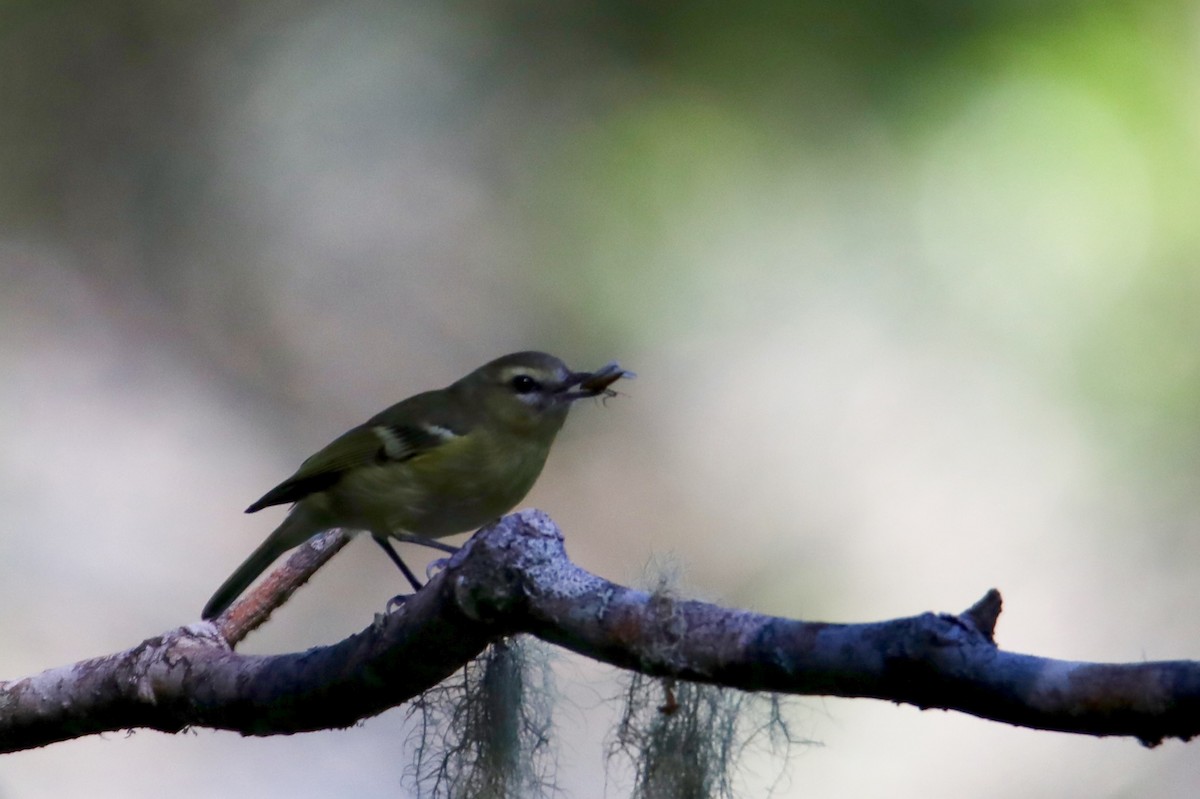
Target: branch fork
515	577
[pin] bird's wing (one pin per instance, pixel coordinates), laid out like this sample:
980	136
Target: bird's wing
379	441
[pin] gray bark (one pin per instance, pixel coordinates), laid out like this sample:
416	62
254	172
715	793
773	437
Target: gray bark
515	577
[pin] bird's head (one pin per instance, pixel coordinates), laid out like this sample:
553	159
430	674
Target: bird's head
532	392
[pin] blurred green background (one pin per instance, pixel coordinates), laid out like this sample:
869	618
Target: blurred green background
912	290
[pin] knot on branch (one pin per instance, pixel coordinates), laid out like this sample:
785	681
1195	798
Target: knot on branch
982	616
496	572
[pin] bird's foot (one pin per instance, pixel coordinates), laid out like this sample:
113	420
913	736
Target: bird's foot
395	603
436	566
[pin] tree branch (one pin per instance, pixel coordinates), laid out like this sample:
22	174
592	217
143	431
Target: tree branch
253	609
515	577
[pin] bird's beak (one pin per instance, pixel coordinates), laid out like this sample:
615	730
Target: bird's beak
581	385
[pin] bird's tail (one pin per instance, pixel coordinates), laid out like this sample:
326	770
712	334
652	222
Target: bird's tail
297	528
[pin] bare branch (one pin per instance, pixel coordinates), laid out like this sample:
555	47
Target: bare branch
515	577
190	677
254	608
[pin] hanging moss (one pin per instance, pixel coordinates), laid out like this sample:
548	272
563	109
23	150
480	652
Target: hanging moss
486	734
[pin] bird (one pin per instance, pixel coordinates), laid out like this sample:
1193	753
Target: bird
437	463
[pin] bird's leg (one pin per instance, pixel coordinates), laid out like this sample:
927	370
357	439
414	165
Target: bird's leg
391	553
409	538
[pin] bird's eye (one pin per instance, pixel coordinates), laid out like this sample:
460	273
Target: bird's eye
524	384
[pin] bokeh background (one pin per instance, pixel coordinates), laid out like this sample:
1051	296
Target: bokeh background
912	290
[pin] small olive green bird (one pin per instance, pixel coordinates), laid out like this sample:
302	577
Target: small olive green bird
435	464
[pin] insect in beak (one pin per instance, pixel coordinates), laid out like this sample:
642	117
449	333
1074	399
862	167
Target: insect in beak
593	384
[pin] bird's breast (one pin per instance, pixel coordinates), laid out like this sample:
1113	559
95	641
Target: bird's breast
458	487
